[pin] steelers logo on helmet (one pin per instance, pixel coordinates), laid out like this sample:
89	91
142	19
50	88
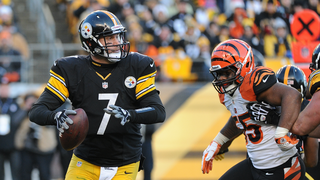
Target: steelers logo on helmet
130	82
86	30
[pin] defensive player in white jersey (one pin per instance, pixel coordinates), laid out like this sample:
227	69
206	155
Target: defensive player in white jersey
272	154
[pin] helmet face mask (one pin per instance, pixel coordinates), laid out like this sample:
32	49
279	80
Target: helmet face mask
113	52
293	76
234	55
227	85
95	31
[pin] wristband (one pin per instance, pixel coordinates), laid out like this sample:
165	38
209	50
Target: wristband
221	139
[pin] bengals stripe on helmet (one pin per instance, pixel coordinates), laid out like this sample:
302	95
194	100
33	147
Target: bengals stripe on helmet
232	48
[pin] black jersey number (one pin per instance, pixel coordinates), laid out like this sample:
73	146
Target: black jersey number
112	98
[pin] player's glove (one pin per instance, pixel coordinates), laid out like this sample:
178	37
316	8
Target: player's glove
208	155
287	142
118	112
220	155
63	120
263	112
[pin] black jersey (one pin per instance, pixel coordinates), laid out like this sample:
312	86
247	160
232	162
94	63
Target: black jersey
93	87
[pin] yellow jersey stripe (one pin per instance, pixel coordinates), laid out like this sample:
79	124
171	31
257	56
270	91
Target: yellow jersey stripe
50	88
57	85
146	76
145	91
58	77
145	84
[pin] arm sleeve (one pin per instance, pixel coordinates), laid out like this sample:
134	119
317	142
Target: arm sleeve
42	112
152	111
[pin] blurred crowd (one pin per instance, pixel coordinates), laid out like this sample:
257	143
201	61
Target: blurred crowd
14	50
181	34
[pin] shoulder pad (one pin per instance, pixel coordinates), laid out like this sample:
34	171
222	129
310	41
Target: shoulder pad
314	82
260	79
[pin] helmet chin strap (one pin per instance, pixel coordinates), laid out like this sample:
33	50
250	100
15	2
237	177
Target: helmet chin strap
231	88
113	57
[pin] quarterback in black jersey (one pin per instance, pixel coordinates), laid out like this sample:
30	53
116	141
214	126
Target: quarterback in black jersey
116	89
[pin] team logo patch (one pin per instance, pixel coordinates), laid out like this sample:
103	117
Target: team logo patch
130	82
86	30
105	85
79	163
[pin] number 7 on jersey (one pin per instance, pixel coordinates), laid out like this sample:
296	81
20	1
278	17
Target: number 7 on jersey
112	97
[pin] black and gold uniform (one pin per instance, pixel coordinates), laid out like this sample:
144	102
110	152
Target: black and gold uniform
314	82
129	83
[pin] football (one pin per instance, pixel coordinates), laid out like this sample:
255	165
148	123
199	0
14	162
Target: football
77	132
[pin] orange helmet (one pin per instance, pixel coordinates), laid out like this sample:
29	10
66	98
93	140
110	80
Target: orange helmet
235	55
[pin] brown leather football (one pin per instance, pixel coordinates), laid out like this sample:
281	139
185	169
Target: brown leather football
77	132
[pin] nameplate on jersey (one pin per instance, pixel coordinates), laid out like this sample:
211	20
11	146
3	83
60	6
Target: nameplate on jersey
104	85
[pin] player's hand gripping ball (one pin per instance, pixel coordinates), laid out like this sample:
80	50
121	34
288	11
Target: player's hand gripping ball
77	132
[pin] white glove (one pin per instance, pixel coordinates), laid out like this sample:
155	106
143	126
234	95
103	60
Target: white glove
208	155
263	112
118	112
63	120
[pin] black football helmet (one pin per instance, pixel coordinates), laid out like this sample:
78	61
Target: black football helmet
293	76
315	64
101	24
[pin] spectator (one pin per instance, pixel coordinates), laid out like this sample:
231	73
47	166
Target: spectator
279	43
148	23
250	36
298	6
314	5
8	24
264	20
202	18
211	32
10	58
7	17
37	144
10	120
223	35
177	21
203	62
88	5
117	6
141	42
253	8
285	8
190	38
235	25
160	14
165	38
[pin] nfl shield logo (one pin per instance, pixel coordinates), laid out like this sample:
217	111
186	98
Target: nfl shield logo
105	85
79	163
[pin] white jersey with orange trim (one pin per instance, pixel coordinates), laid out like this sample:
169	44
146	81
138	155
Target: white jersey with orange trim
261	146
